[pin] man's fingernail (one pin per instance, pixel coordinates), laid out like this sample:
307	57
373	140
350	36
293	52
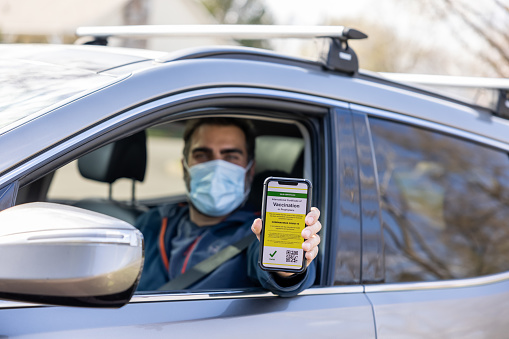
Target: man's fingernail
306	233
309	220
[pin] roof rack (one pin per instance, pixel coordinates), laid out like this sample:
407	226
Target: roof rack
501	85
338	57
449	80
246	32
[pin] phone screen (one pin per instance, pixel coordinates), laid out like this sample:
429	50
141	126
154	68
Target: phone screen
286	205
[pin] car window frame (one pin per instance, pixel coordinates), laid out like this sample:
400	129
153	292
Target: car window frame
8	195
171	109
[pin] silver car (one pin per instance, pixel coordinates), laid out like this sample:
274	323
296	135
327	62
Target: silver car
412	186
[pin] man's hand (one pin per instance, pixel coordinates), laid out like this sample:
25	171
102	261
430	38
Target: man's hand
310	246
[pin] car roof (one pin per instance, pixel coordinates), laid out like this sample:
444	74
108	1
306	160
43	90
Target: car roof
146	75
91	58
117	61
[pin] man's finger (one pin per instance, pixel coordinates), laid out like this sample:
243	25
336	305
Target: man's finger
312	216
257	227
309	231
311	243
311	255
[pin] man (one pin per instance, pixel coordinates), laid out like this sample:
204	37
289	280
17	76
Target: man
218	161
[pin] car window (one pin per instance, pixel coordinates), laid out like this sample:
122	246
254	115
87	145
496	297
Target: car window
163	172
280	151
445	204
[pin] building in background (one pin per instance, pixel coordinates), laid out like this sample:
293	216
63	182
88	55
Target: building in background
55	21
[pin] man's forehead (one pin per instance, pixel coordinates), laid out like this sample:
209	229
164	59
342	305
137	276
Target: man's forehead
218	133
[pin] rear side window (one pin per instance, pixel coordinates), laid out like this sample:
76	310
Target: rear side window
445	204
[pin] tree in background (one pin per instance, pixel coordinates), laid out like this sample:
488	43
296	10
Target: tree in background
481	27
387	51
240	12
136	13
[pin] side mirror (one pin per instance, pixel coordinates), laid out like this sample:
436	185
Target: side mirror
63	255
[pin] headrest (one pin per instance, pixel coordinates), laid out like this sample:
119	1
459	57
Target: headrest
126	158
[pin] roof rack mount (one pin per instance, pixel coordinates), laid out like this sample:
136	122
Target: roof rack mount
339	56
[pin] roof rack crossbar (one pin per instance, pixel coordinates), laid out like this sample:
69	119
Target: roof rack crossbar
501	85
246	32
449	80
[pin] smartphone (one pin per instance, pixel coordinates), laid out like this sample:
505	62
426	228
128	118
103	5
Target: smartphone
286	201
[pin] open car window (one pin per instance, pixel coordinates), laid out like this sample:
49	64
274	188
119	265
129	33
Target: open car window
280	150
152	159
163	175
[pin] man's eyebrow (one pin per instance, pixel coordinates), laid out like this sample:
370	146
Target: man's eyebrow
223	151
201	149
232	150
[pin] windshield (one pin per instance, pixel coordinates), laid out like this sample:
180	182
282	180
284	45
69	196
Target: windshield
30	87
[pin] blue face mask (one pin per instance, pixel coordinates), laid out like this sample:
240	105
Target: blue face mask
217	187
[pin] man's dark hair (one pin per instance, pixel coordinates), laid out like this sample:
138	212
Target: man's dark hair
245	125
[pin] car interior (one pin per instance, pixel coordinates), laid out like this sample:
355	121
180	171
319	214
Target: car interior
118	171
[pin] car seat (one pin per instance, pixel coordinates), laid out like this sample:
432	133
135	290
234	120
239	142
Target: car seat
126	158
255	196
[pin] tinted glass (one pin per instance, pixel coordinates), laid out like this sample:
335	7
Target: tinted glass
445	204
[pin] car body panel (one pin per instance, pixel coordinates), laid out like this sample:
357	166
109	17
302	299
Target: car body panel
90	58
346	313
346	244
372	237
469	308
31	89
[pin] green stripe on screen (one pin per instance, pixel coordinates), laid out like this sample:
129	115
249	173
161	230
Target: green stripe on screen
287	194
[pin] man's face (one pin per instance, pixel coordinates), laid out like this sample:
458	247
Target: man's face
215	142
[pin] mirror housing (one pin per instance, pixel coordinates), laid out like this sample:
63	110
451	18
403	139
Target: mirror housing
63	255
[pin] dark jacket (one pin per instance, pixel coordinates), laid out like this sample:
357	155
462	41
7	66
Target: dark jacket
186	244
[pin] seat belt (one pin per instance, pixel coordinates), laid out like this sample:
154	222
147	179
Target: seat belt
207	266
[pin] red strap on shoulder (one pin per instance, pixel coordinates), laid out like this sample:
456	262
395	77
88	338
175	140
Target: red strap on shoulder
162	248
188	254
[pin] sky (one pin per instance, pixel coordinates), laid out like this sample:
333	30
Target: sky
312	12
400	15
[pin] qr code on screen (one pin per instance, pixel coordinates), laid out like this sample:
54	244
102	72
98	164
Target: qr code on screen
292	256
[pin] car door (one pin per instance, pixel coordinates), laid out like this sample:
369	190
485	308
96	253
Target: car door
335	307
443	220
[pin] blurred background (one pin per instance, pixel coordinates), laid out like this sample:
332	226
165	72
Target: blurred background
449	37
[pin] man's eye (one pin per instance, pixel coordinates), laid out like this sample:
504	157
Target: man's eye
231	157
200	156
